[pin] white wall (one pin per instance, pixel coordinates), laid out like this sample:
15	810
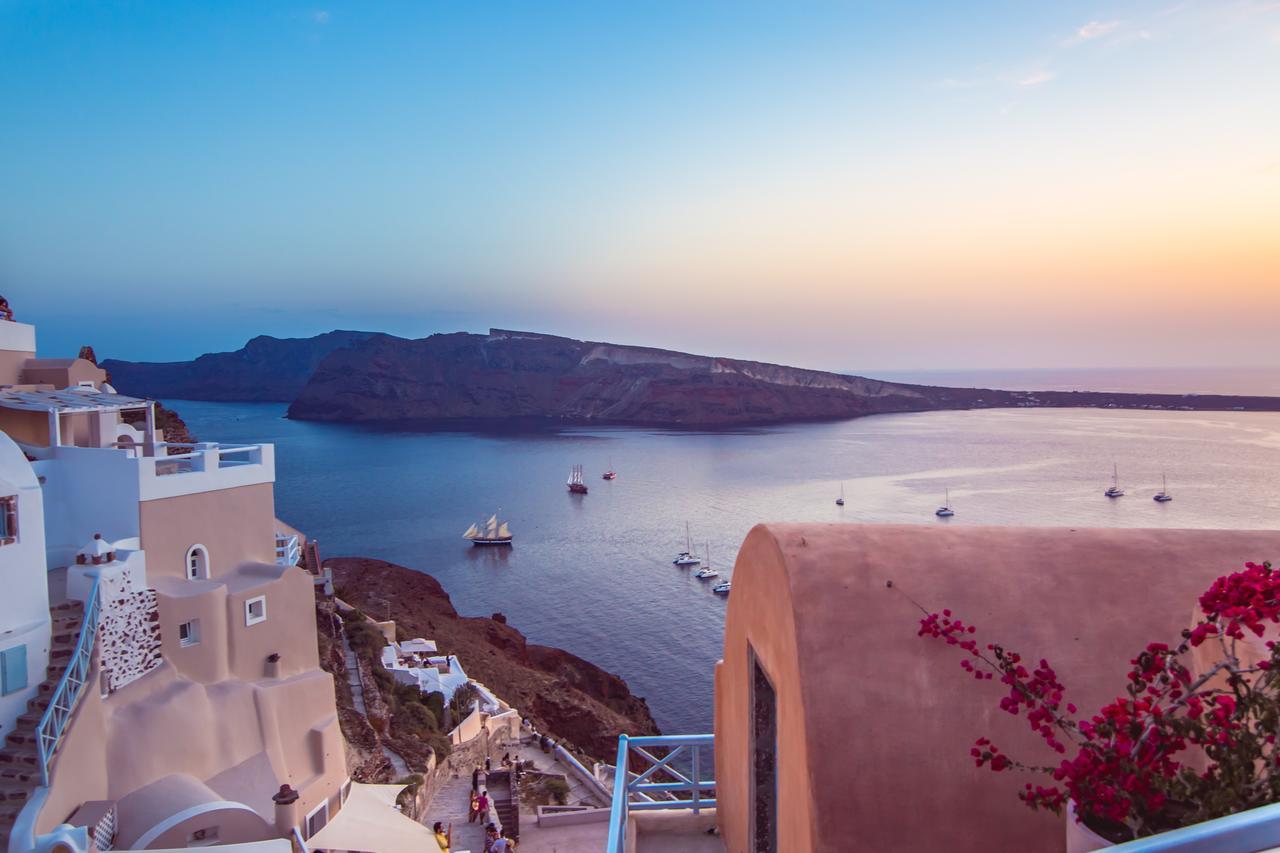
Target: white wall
17	337
24	606
86	491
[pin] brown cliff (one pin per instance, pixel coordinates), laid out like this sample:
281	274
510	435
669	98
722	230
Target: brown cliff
512	376
562	693
523	375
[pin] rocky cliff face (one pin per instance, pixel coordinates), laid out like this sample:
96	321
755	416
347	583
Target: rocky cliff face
265	369
512	375
474	380
565	695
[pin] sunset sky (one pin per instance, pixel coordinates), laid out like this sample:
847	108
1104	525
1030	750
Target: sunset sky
852	187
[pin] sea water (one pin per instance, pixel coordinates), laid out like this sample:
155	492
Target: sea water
593	574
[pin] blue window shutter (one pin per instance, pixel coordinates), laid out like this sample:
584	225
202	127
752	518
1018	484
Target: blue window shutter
13	669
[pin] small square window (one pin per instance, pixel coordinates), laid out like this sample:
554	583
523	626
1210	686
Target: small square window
255	610
8	520
189	633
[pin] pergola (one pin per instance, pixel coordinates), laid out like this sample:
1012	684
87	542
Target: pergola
71	401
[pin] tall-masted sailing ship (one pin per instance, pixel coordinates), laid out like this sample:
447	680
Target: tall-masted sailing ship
493	532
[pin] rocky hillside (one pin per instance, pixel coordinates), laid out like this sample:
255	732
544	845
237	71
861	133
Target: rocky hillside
265	369
564	694
506	376
521	375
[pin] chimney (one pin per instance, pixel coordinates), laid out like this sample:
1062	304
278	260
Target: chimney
286	810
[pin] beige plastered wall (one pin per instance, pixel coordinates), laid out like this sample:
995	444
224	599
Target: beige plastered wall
761	618
210	711
235	525
888	718
12	363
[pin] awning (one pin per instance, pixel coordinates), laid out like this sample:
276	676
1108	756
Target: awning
69	400
371	823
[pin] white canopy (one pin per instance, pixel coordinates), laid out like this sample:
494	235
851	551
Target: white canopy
69	400
370	821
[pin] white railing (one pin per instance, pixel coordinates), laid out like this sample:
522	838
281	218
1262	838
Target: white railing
57	717
288	552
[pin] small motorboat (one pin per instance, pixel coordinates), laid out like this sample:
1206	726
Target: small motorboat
722	588
945	511
686	557
1163	495
610	474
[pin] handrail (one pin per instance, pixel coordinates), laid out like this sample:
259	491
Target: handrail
301	846
618	808
53	724
626	784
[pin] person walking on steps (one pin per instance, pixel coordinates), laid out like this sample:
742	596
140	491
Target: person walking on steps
483	806
444	837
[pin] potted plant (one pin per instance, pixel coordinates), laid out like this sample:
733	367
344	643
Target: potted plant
1187	741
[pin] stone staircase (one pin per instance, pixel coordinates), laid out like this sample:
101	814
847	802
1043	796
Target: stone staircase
450	805
504	803
20	758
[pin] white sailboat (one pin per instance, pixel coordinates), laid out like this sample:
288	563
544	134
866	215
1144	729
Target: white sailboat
1163	495
706	572
945	511
722	588
686	557
840	500
1115	491
575	483
491	532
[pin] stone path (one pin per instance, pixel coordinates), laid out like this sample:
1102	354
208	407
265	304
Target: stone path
450	805
357	699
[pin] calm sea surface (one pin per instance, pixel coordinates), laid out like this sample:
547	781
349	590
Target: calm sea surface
593	575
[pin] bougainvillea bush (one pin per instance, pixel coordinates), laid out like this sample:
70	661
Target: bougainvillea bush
1178	747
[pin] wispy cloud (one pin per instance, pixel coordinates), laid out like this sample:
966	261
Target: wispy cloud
1036	78
320	16
1092	30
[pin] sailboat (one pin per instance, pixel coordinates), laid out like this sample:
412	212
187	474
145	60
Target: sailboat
722	588
1115	491
1163	495
945	511
686	557
491	532
576	485
840	500
706	571
610	474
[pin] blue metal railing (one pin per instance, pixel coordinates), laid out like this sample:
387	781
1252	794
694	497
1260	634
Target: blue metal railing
70	688
666	795
288	552
1256	829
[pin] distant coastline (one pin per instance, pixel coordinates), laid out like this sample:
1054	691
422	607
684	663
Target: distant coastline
529	380
1233	381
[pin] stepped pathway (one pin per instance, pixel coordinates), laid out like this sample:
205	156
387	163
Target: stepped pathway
450	805
19	758
357	699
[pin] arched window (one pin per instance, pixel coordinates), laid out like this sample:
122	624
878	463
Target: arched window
197	564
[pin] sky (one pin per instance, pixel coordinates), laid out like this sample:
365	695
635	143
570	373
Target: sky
833	185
